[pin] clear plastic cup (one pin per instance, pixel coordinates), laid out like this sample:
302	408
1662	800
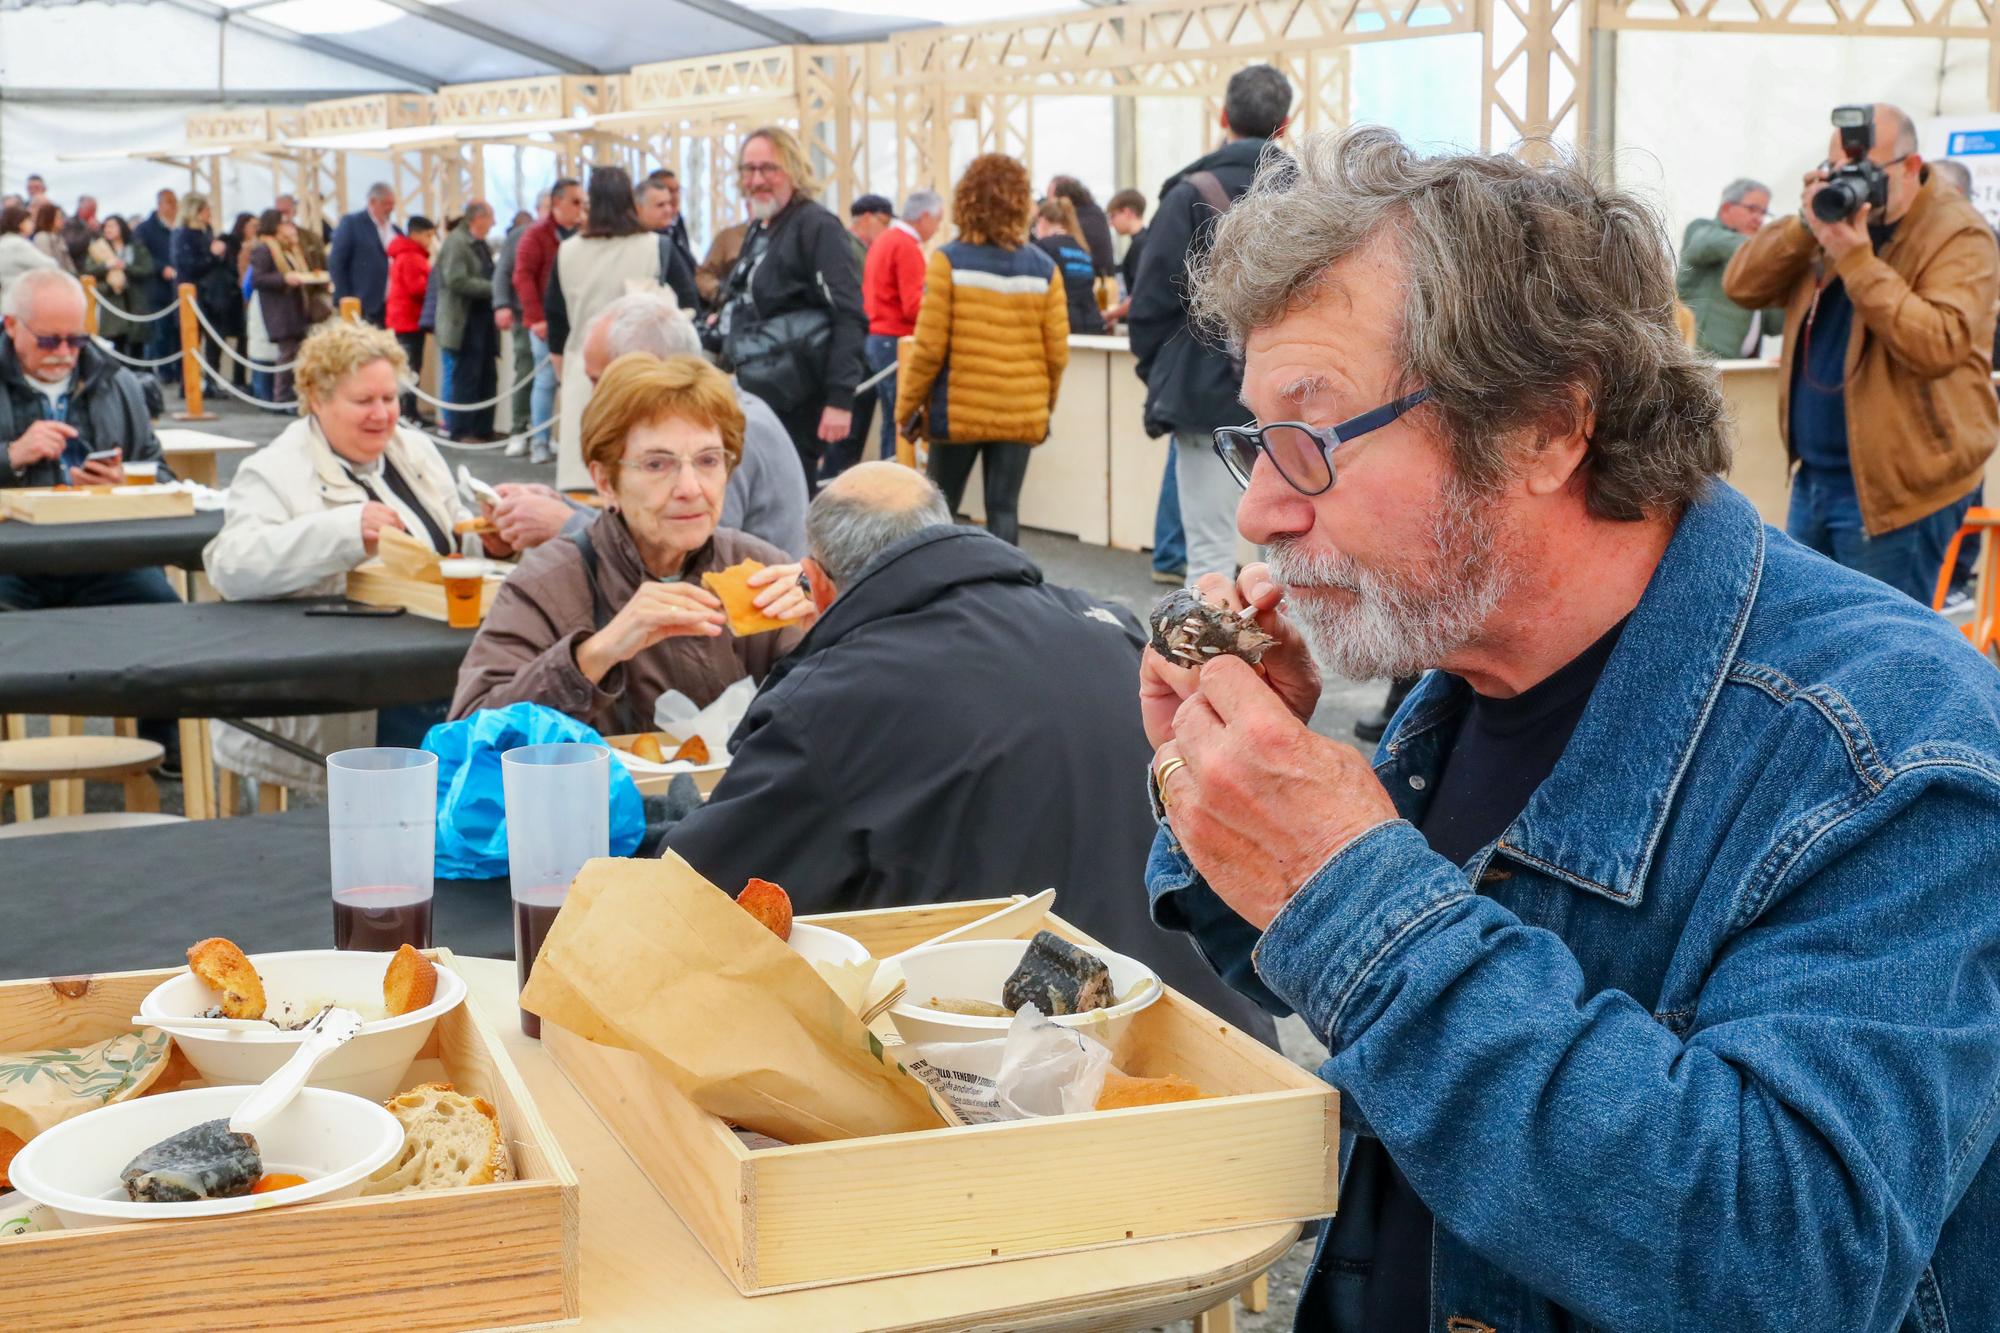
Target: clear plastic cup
558	817
464	590
381	814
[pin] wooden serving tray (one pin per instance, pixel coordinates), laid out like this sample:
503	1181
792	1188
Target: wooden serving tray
29	505
486	1256
376	584
1265	1148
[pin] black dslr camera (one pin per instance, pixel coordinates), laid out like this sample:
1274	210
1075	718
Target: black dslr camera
1856	181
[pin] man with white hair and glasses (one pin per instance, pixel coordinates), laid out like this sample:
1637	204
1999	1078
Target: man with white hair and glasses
1657	953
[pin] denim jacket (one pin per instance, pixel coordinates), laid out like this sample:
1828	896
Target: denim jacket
1709	1039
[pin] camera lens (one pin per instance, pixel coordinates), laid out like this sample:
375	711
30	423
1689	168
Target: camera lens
1838	199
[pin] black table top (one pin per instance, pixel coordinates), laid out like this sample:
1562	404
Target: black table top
106	548
221	659
125	899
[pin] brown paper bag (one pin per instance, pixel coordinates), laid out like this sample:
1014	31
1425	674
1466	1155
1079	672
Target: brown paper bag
403	554
649	956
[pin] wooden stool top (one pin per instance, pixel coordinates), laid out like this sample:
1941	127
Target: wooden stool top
50	758
86	823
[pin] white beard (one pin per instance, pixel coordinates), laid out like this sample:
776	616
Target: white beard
1398	624
763	208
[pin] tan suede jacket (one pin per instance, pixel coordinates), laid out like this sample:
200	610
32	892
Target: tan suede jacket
526	649
1921	415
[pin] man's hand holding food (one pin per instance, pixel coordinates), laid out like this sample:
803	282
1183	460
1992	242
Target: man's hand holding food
1257	799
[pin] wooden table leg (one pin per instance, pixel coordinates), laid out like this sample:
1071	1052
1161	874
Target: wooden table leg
177	579
197	770
142	795
1222	1319
1257	1296
271	798
228	792
14	727
196	467
66	795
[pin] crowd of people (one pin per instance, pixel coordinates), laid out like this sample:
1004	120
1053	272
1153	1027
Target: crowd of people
1662	916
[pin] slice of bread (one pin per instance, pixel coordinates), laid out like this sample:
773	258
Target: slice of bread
220	964
410	983
449	1140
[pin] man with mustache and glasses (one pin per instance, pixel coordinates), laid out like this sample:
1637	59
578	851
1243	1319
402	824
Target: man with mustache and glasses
1657	953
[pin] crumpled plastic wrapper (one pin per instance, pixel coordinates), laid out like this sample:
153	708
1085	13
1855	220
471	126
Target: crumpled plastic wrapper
676	714
1039	1068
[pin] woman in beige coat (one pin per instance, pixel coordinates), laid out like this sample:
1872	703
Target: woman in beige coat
611	256
311	505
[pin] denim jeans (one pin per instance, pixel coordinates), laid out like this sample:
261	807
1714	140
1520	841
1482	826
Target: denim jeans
1825	515
164	336
880	351
1169	538
447	372
48	592
1208	496
542	402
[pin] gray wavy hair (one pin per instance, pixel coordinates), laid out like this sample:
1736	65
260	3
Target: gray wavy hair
1532	296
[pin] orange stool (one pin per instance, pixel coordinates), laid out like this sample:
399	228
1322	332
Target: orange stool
1984	627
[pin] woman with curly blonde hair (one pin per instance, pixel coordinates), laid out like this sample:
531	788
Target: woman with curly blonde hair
314	503
991	345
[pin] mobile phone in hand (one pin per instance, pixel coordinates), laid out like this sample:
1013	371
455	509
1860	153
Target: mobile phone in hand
111	455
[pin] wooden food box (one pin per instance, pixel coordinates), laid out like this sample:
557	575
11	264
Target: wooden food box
1265	1148
485	1256
96	506
376	584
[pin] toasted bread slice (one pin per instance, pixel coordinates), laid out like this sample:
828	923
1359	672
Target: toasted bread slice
769	904
449	1140
739	599
222	965
410	983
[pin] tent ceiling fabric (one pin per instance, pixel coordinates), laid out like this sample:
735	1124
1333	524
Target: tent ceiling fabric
470	41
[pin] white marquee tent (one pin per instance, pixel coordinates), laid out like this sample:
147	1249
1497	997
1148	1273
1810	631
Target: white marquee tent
85	82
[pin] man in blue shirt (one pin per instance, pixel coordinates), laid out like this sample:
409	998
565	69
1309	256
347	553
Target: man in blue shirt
1888	408
1657	955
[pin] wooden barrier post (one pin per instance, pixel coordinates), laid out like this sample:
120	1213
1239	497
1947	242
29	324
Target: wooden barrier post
350	309
89	305
190	361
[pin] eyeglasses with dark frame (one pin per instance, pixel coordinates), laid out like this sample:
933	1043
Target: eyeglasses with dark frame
1302	454
48	342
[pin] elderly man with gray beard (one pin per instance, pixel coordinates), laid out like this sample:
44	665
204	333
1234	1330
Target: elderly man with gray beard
1657	954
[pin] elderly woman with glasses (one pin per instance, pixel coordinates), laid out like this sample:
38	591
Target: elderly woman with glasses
601	624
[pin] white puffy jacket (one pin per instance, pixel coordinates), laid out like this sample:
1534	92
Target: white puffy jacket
292	528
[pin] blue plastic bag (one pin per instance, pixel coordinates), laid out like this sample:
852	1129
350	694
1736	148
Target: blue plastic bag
472	807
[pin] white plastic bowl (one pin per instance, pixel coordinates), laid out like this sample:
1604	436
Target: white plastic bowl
817	944
978	970
372	1065
336	1141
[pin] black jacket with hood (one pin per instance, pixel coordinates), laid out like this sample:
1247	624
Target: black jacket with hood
107	406
954	728
1191	380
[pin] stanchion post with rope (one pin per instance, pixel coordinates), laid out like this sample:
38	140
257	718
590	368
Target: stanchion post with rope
350	309
89	305
190	359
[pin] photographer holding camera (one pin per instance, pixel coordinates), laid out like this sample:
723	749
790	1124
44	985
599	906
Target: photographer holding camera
1890	281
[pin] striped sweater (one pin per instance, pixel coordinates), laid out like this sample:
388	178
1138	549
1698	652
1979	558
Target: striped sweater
991	345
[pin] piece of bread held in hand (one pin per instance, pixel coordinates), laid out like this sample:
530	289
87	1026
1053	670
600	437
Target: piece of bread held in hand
223	967
410	983
739	599
449	1140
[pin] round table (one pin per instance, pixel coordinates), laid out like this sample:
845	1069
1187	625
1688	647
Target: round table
643	1269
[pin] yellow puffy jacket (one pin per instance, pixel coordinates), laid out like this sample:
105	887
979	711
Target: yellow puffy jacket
991	345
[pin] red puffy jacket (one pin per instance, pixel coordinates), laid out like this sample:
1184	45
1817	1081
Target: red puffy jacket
409	273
